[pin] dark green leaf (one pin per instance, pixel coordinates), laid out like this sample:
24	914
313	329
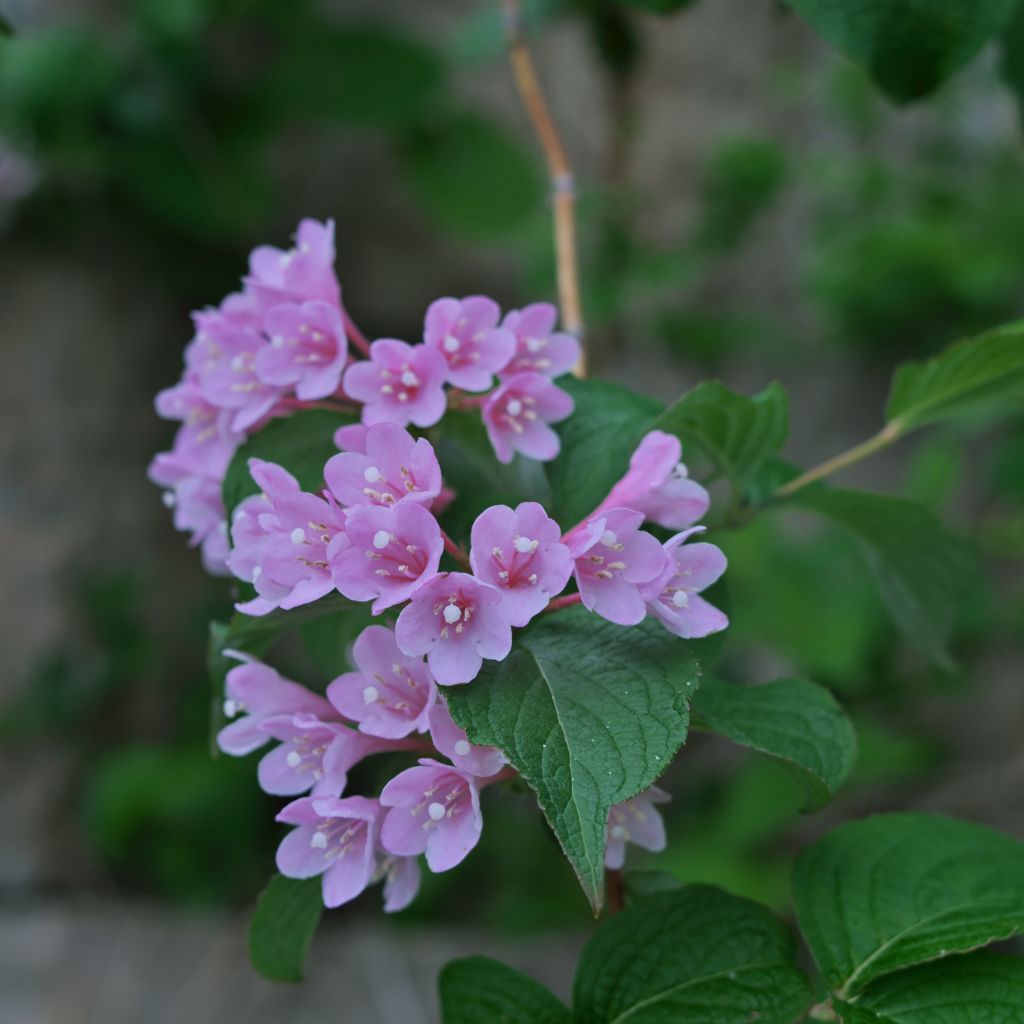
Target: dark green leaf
895	890
367	75
697	955
659	6
735	432
974	375
792	720
981	988
909	46
922	570
597	441
589	714
477	989
302	443
1011	64
472	177
641	885
282	927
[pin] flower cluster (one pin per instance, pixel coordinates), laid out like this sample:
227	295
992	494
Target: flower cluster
285	342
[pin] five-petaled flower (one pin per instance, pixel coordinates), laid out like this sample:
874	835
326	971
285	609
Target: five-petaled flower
635	821
466	334
399	383
517	415
539	347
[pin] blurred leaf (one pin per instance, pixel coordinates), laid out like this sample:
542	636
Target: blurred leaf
1011	63
888	892
744	178
641	885
480	36
909	47
659	6
471	177
597	441
477	989
365	75
922	570
960	990
302	443
589	714
978	374
698	954
792	720
283	926
735	432
327	639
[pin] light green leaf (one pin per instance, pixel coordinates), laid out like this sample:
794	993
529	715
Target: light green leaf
792	720
302	443
922	570
974	375
696	955
736	433
477	989
589	714
282	926
597	441
878	895
981	988
909	46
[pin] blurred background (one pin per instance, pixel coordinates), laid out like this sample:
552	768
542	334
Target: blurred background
750	209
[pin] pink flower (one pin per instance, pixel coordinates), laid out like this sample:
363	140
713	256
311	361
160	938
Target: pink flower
257	692
672	597
521	554
205	441
390	694
314	753
456	621
391	553
399	383
401	881
614	557
539	348
284	541
657	484
351	437
434	808
452	741
517	414
334	838
302	273
391	467
466	333
635	821
307	350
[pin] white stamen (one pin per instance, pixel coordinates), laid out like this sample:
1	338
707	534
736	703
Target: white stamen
277	341
524	545
409	379
618	832
298	535
169	499
370	694
381	539
230	708
238	363
462	748
680	599
514	407
436	811
535	344
372	474
293	759
451	343
609	539
452	613
319	841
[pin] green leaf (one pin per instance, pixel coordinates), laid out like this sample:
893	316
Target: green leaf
282	926
909	46
597	441
365	75
735	432
1011	63
922	570
974	375
659	6
792	720
981	988
697	955
589	714
878	895
302	443
471	177
477	989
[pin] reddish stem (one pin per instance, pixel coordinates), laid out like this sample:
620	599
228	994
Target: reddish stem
615	896
563	602
355	335
455	551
